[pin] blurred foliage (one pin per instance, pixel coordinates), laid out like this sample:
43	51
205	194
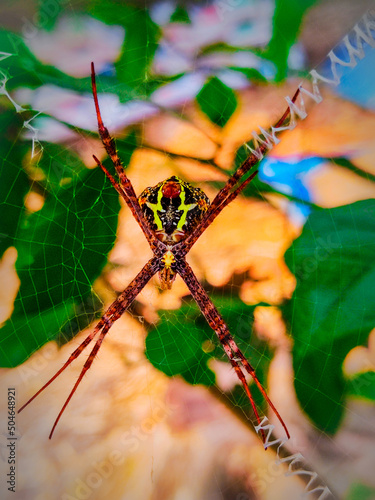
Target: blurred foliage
182	342
180	15
359	491
287	20
141	40
363	385
333	306
63	247
23	69
14	183
217	101
48	13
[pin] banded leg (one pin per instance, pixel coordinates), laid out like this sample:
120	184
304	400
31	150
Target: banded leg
225	196
113	181
127	192
233	352
230	197
115	310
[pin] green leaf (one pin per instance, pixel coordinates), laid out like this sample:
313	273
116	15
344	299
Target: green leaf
25	333
217	101
48	13
333	307
62	249
14	183
65	243
175	349
359	491
363	385
180	15
141	39
223	47
22	68
287	20
85	312
176	345
60	165
252	74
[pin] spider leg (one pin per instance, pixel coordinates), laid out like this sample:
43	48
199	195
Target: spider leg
233	352
71	358
115	310
86	366
127	191
225	196
250	370
250	161
113	181
214	213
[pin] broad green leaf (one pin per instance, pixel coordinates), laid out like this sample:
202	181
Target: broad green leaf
25	333
62	249
333	307
217	101
85	312
176	348
287	20
363	385
60	165
22	68
178	344
14	183
63	245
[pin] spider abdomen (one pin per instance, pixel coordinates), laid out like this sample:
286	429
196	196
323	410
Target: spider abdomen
173	209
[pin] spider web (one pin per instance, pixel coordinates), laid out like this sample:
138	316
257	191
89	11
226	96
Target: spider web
65	225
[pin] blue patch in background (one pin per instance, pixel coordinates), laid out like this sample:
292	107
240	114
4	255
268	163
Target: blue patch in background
289	177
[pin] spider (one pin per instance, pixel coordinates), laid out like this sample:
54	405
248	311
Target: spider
172	215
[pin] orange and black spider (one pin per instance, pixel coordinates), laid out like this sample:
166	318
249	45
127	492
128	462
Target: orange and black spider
172	215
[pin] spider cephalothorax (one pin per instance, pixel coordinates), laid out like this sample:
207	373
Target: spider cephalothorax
172	215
